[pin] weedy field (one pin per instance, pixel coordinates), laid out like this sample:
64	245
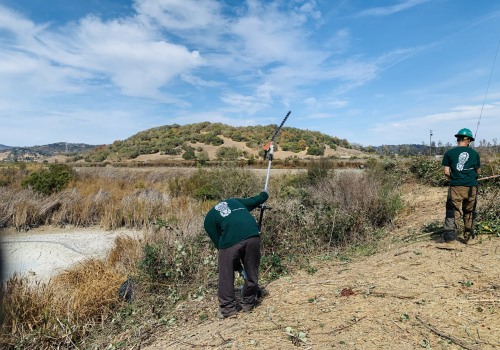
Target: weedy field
351	260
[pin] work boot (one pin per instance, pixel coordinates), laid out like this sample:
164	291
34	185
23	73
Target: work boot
450	245
262	293
449	236
247	307
226	314
468	235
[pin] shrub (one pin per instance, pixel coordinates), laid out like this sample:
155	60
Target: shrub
189	154
316	150
217	184
488	213
227	153
315	215
318	169
428	171
8	175
51	180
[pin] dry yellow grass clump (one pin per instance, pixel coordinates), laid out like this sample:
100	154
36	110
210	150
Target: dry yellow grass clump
62	311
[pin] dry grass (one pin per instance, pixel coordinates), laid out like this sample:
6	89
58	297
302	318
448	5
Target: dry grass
62	312
108	198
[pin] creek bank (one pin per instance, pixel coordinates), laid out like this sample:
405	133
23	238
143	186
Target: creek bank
43	252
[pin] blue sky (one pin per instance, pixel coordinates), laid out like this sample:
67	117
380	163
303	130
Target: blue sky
371	72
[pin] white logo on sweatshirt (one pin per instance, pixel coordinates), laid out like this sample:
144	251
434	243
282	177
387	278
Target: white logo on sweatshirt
462	158
223	209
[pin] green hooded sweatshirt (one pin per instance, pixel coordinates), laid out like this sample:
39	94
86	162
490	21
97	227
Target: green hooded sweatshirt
230	222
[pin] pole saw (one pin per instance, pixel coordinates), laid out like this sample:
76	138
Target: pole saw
268	153
488	177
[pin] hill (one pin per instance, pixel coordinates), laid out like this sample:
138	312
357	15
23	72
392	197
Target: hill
209	141
415	293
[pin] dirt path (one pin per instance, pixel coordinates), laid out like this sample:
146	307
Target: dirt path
411	295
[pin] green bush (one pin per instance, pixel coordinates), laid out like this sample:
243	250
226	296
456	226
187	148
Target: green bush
49	180
488	214
189	154
316	150
428	171
227	153
318	169
217	184
176	269
318	214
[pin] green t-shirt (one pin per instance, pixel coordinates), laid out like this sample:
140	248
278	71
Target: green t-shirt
464	163
230	221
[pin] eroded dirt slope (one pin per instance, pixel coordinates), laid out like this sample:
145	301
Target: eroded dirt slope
413	294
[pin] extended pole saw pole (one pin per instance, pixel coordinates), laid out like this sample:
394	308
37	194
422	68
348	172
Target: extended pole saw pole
488	177
268	153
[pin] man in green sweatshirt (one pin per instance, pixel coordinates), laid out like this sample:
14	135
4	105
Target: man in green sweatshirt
236	234
462	166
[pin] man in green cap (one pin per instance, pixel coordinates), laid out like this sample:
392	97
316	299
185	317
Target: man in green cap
462	166
236	234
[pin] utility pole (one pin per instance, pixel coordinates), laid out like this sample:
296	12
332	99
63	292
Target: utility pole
430	143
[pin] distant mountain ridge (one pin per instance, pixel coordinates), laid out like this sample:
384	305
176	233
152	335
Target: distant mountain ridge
41	152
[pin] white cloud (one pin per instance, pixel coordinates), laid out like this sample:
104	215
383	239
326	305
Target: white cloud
443	124
15	23
389	10
132	56
242	103
181	14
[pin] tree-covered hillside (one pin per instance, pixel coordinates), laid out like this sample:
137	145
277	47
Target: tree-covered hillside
188	141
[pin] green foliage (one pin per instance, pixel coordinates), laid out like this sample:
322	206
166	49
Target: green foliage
51	180
488	213
207	192
273	263
189	154
227	153
312	215
217	184
428	171
318	169
203	157
316	150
